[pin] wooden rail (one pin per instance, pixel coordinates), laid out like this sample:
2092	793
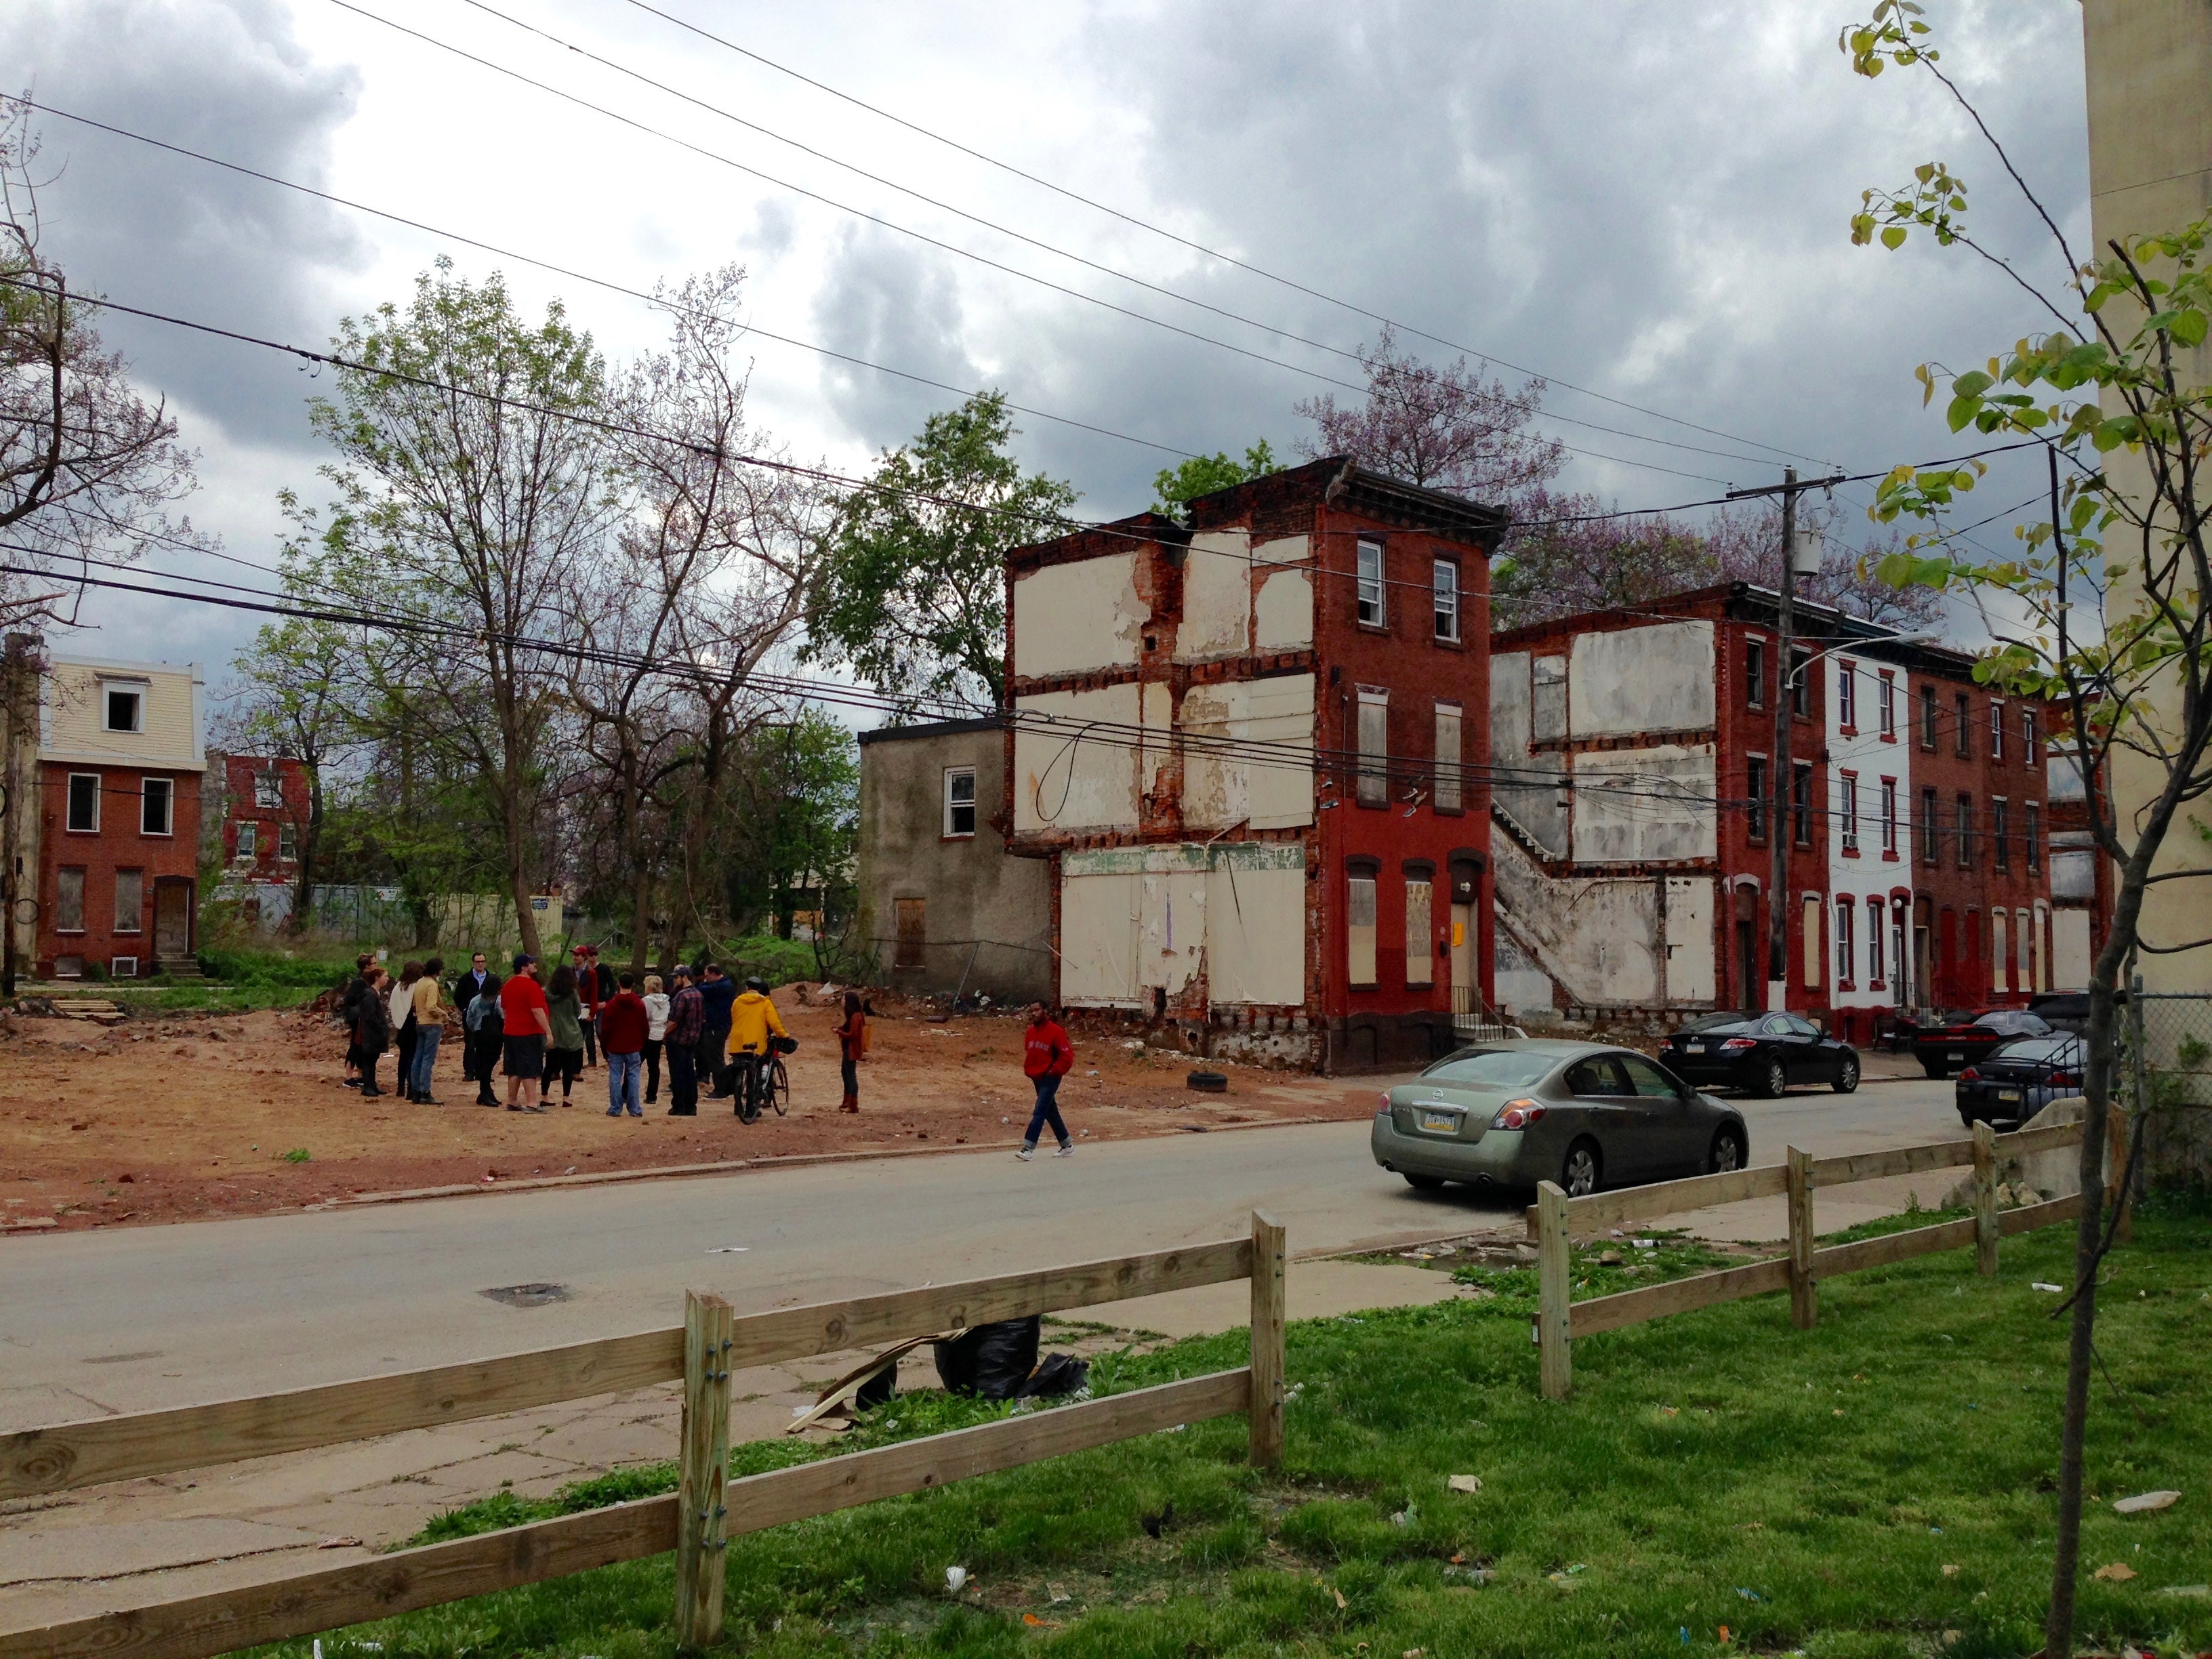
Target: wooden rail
707	1510
1554	1219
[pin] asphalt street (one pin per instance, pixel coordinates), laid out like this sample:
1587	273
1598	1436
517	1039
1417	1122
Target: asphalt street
137	1318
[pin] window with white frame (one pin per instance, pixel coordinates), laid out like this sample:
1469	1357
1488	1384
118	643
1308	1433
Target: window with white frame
1449	798
287	841
1996	731
1873	941
1371	584
1888	702
248	840
268	789
1374	748
2031	751
124	710
1846	949
1847	802
84	802
1889	815
1847	696
959	802
1446	581
156	806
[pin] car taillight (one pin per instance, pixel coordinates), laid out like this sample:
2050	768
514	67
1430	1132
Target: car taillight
1737	1045
1970	1075
1518	1115
1383	1099
2064	1081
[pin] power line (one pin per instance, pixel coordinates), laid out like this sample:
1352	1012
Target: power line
1276	329
1196	247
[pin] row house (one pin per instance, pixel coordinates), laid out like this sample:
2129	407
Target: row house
117	818
1253	750
254	821
1636	756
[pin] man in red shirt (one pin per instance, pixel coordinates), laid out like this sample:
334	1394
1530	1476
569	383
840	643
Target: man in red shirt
622	1024
525	1022
1046	1056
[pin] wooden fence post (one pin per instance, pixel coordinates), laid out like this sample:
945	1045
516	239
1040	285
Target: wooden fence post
702	1535
1804	1304
1985	1199
1267	1316
1554	1363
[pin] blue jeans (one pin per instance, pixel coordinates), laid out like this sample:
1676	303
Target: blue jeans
426	1055
1048	1111
622	1074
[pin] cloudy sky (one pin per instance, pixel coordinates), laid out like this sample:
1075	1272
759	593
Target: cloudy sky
1641	203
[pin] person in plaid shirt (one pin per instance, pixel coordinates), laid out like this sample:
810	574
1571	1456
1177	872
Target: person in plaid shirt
687	1021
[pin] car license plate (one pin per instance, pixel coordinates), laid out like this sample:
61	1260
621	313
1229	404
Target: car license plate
1693	1047
1955	1056
2012	1095
1441	1123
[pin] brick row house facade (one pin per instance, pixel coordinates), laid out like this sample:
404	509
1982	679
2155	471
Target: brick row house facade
1254	750
1636	756
120	765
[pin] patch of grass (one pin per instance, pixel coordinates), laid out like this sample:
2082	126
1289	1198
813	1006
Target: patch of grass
1807	1490
297	1155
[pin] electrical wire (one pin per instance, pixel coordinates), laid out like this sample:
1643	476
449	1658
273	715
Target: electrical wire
1200	247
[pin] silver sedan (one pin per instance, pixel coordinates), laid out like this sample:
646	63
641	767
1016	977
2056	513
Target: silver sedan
1585	1114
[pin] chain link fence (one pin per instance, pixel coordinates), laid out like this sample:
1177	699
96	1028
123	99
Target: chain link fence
2167	1042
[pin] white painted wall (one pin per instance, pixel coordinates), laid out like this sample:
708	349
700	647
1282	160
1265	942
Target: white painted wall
1222	790
1073	618
1631	681
1869	874
1137	918
1062	782
1636	805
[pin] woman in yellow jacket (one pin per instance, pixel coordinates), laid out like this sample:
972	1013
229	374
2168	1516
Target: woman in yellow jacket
753	1019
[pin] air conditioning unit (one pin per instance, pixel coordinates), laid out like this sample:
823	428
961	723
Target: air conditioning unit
123	967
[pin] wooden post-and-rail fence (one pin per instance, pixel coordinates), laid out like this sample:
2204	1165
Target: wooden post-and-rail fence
708	1508
1555	1218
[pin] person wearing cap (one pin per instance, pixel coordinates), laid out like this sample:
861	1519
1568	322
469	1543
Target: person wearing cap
753	1017
717	991
687	1018
525	1023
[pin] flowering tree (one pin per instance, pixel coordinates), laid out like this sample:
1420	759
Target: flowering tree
2129	651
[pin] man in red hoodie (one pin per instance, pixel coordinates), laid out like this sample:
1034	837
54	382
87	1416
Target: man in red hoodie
623	1025
1047	1054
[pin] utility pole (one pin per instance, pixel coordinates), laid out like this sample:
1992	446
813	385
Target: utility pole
18	716
1783	780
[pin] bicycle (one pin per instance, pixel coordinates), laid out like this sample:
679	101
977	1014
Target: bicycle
762	1079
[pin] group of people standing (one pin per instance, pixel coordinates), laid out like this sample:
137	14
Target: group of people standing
539	1030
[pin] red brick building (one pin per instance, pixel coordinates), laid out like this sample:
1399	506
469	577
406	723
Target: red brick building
1254	749
263	815
1637	758
120	764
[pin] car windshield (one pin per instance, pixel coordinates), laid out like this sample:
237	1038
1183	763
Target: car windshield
1493	1068
2035	1051
1723	1023
2006	1019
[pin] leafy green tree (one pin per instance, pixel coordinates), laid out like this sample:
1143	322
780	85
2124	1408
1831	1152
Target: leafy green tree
1202	475
292	703
794	834
2111	590
912	595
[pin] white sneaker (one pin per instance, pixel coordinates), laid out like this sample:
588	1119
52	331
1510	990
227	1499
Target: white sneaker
1026	1153
1065	1151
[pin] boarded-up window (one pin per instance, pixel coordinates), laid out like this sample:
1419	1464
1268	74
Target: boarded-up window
1359	927
1420	946
130	900
1374	748
2025	932
913	934
2000	964
1448	758
1811	923
68	902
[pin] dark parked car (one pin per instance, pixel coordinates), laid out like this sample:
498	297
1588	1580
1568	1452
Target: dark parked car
2063	1010
1582	1114
1960	1039
2022	1078
1760	1054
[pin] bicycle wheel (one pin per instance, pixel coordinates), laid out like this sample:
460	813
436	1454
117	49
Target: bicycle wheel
779	1087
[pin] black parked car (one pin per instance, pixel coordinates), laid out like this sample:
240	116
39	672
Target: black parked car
1961	1039
2063	1010
2022	1078
1760	1054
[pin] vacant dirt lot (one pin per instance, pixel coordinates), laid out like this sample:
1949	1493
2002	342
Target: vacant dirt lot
170	1118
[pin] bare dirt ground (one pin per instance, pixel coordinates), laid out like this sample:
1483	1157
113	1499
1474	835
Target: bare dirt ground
181	1115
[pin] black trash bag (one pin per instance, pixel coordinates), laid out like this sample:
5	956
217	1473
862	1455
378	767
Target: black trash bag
992	1361
878	1389
1060	1374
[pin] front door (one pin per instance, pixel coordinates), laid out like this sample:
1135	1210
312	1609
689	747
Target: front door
173	919
1463	958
